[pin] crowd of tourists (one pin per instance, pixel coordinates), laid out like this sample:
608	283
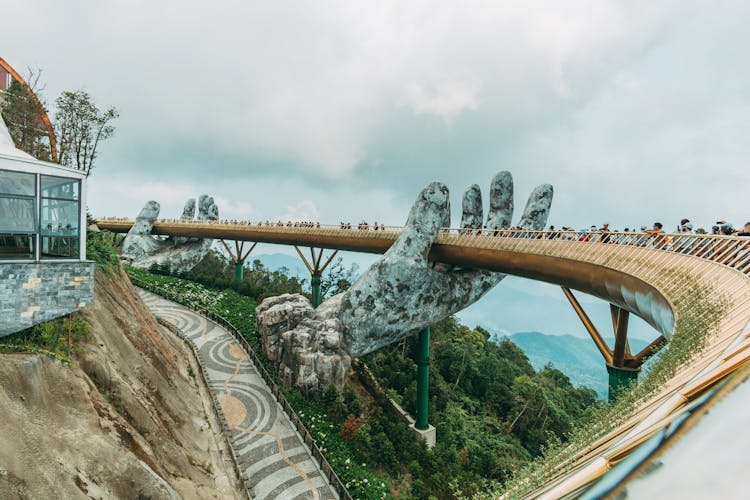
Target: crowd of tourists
593	233
606	234
655	236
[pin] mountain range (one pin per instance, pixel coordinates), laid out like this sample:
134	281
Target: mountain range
576	357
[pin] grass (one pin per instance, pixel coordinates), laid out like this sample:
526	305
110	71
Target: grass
58	339
101	249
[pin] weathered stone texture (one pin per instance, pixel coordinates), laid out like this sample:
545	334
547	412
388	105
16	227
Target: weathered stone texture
142	249
472	207
399	295
36	292
305	348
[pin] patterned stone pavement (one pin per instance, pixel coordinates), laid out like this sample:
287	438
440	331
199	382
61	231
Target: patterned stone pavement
273	458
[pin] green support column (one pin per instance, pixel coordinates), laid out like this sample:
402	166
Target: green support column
315	282
422	359
238	269
620	379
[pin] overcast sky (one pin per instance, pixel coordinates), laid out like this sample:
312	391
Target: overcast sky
636	111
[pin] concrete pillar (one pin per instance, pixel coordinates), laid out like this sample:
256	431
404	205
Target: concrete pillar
315	282
421	426
422	359
620	379
238	271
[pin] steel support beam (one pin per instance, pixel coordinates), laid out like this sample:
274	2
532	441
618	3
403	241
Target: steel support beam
593	332
620	319
238	257
422	359
316	271
622	366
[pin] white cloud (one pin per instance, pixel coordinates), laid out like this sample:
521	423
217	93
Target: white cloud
446	100
103	192
354	96
309	83
305	210
232	209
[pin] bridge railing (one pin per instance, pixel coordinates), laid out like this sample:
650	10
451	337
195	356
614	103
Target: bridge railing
324	465
732	251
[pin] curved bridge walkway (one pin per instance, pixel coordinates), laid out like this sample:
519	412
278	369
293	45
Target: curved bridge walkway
679	284
273	459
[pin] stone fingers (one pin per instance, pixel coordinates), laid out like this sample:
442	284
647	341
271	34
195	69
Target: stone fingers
472	208
188	212
207	209
501	201
537	209
430	212
145	220
139	240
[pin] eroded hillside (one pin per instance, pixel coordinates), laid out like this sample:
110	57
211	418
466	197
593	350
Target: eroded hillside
130	419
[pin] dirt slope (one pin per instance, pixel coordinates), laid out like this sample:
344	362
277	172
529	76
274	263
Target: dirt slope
127	421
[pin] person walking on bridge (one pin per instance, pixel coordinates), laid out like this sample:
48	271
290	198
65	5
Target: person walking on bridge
658	240
743	261
685	227
605	236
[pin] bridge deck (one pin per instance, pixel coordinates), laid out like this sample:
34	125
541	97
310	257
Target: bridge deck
688	283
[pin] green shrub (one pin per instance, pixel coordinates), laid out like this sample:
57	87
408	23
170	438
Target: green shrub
58	338
101	249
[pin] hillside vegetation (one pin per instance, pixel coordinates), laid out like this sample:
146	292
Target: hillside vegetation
493	411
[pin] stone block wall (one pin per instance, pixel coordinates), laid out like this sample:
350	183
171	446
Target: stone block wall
34	292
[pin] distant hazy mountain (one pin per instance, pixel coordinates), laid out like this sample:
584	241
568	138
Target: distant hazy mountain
275	261
577	358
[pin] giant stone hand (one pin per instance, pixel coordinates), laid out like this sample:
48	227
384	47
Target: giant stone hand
401	293
142	249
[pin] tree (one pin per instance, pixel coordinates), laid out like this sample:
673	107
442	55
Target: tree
80	126
23	114
338	278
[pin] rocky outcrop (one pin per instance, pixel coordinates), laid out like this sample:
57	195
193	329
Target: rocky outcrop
401	293
307	350
142	249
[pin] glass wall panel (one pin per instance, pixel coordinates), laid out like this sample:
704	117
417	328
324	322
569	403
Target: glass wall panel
59	228
59	217
18	221
17	215
60	187
17	246
17	183
59	247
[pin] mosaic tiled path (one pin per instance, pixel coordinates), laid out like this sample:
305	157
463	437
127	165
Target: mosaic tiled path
274	461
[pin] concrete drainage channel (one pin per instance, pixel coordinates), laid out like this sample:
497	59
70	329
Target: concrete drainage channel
273	452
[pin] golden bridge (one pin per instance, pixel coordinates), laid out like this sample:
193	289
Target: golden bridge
685	286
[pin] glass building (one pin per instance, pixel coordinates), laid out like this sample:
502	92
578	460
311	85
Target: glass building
44	273
41	211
